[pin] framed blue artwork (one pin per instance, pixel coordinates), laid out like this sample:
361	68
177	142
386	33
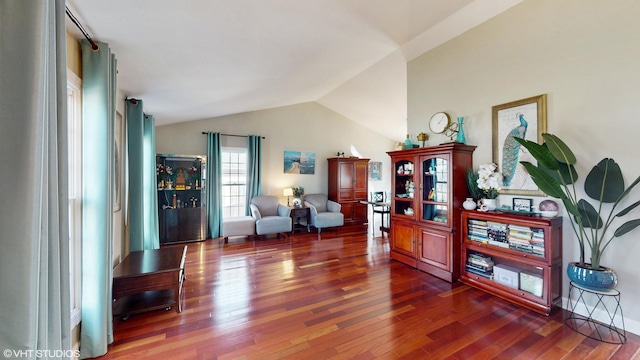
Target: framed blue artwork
299	162
375	170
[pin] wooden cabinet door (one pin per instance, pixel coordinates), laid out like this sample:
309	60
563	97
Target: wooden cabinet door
360	183
402	239
346	181
435	248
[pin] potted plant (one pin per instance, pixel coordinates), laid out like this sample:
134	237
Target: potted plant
298	193
489	181
555	175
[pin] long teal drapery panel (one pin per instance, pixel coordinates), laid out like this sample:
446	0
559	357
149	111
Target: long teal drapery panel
143	200
254	168
98	95
213	186
34	260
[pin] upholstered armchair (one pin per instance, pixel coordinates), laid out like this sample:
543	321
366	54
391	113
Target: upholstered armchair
271	216
324	212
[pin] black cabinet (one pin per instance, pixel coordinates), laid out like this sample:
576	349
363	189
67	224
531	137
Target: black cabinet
181	208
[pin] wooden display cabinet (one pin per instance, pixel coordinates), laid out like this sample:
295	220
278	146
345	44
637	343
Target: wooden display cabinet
180	206
428	188
502	238
348	186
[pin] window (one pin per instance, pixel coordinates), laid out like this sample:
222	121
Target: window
234	181
74	133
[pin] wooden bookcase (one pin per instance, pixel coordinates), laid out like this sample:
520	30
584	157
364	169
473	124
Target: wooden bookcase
501	238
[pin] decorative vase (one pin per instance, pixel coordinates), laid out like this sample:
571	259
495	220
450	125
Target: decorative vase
600	280
489	204
460	138
408	144
469	204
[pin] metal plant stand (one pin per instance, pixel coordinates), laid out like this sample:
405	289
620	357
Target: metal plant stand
607	302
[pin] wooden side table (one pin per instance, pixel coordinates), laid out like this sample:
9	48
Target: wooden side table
296	214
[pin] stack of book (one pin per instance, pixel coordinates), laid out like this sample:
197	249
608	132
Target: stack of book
537	241
480	264
477	230
497	234
520	238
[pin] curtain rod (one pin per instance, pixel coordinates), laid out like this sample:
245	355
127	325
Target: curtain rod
206	132
94	46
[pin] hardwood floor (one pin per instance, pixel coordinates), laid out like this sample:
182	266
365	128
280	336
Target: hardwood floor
338	296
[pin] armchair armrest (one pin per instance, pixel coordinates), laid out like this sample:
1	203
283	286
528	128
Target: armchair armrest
312	209
284	211
255	213
333	206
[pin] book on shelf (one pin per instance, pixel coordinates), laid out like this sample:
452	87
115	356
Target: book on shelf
488	275
501	244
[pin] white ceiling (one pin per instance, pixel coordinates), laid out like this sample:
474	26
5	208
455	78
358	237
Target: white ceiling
198	59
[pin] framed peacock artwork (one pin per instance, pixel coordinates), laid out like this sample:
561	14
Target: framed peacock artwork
526	118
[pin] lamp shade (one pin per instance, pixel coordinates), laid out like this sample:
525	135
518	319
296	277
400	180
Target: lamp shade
287	192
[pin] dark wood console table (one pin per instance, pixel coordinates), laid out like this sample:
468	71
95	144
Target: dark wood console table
148	280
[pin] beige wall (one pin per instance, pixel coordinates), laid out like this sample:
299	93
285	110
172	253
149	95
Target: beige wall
584	55
74	55
308	127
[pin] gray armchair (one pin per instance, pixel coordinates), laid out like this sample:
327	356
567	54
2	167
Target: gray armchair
324	212
271	216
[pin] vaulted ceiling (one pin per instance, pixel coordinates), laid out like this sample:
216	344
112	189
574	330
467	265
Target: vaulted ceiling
198	59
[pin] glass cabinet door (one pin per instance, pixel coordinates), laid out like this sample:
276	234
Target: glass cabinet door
404	188
435	189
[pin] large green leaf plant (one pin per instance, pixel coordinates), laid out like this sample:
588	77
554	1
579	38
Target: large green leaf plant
555	175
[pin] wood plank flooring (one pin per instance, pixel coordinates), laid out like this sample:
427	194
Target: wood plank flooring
336	295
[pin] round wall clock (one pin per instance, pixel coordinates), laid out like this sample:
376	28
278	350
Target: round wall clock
439	122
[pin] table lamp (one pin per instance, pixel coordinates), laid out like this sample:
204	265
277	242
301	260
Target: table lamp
288	192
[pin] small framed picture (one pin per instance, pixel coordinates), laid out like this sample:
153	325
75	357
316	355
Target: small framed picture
522	204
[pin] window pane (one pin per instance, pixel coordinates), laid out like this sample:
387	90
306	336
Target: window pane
234	181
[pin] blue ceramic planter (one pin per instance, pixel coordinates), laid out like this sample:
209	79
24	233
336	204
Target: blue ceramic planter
602	279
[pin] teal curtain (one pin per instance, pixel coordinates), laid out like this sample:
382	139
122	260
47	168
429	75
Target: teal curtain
98	175
143	196
213	186
34	260
254	168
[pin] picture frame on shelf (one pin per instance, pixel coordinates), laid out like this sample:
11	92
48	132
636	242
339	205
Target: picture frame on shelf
522	204
526	118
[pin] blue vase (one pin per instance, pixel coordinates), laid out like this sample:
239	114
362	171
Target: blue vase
460	138
599	280
408	144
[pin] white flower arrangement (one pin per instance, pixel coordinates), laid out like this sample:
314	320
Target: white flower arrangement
489	181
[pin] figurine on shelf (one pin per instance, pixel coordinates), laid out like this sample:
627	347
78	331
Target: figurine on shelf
169	185
161	185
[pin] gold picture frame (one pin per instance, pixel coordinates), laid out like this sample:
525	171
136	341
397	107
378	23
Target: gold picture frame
526	117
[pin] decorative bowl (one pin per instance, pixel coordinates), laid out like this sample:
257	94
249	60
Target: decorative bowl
549	213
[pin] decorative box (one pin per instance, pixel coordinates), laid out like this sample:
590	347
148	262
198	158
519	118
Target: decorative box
506	275
531	283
